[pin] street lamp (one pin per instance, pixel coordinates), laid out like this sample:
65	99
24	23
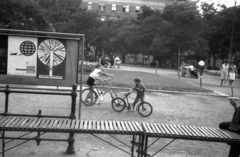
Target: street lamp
201	64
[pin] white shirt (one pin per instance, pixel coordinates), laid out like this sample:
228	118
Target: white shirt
95	74
117	59
191	67
225	67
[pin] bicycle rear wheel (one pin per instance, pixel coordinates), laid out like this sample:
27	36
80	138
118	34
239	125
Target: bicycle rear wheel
118	104
145	109
87	99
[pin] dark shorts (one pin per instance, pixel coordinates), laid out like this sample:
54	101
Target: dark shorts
91	81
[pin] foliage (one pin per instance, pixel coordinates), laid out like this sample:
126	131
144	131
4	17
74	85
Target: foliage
181	29
218	29
87	68
16	14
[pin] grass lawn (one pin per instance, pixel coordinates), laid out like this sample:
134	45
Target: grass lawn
150	80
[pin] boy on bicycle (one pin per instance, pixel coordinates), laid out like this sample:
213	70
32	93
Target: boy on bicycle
95	75
140	88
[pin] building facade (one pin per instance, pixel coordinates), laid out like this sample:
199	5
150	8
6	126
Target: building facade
115	9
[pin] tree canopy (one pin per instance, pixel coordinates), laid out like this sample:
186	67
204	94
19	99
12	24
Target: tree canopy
180	27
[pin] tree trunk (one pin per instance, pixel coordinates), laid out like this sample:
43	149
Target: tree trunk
178	57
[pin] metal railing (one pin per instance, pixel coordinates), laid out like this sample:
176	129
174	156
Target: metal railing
7	91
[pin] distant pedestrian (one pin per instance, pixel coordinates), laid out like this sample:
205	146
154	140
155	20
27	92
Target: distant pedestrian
234	126
117	61
224	71
232	73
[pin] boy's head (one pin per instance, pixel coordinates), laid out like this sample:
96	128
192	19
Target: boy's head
99	66
137	80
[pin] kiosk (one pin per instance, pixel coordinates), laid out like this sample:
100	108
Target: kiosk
39	58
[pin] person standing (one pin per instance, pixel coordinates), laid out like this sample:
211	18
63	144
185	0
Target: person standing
233	126
224	71
232	72
117	61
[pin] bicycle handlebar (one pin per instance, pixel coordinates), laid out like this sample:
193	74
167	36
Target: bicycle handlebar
107	79
233	98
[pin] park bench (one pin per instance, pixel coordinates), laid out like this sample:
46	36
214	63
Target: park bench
38	125
50	125
156	130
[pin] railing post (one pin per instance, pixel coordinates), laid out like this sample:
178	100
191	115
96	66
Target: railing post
74	97
7	92
70	148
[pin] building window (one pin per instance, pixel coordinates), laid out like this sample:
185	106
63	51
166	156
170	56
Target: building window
137	9
126	8
114	7
89	6
102	7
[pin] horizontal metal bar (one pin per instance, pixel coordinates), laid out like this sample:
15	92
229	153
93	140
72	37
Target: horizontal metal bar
35	138
37	88
19	144
41	36
198	139
30	115
55	130
36	92
40	32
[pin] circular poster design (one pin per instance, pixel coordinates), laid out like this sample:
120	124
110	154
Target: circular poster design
27	48
51	52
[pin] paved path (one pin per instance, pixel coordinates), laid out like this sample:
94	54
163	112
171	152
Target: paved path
209	81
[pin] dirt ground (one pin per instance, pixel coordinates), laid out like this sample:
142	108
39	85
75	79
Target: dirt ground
173	109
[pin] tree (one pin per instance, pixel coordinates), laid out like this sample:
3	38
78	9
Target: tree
219	22
60	10
21	15
107	38
181	30
146	12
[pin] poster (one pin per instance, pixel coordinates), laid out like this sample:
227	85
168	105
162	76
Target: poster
51	58
22	56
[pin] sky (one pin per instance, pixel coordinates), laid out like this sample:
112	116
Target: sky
228	3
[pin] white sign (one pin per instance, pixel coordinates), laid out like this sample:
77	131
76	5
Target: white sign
22	56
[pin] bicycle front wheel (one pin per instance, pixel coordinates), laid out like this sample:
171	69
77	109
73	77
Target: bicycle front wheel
145	109
118	104
89	97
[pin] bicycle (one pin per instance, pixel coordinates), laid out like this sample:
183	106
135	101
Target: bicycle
119	104
94	95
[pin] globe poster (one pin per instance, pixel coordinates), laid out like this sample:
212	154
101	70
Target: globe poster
22	56
51	58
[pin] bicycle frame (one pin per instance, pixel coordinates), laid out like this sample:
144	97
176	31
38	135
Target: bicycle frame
109	89
125	98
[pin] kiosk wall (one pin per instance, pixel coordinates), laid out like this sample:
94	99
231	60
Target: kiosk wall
39	58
